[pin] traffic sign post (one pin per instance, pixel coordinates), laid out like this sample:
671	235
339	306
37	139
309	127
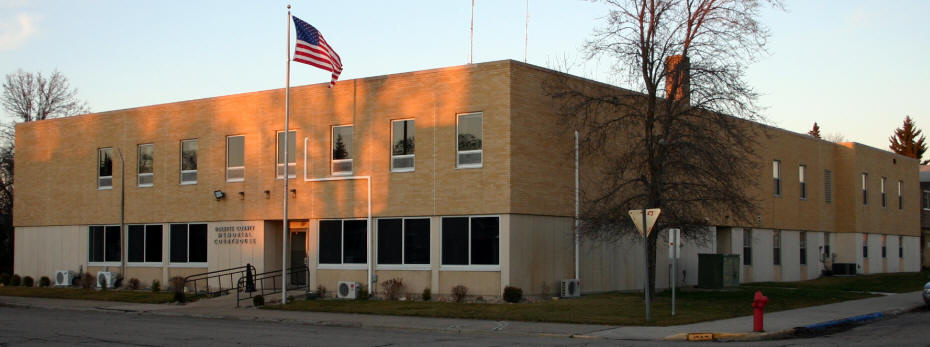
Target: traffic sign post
674	252
644	220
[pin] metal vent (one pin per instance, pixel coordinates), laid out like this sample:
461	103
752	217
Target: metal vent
827	186
402	163
105	182
235	173
471	158
189	177
146	179
343	166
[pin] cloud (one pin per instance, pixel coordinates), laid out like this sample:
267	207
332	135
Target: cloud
15	33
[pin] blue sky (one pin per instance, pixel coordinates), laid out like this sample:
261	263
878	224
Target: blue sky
855	67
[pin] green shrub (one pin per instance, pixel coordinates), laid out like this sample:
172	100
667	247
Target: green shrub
427	294
156	286
28	281
45	282
134	284
513	294
258	300
5	279
16	280
459	292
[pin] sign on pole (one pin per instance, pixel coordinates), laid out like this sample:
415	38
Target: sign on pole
674	243
651	215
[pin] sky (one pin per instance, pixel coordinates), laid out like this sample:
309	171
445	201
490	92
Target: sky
857	68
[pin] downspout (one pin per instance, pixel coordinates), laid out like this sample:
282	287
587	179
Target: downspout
577	213
122	212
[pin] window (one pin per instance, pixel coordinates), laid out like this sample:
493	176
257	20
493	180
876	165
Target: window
865	190
235	158
865	245
803	248
471	241
291	155
342	150
403	241
188	243
900	247
883	191
926	199
145	243
104	168
104	243
146	165
827	186
747	246
884	255
776	247
402	145
189	162
343	241
826	245
469	132
900	201
802	173
776	176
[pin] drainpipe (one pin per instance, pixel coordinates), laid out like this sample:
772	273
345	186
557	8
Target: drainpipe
122	212
577	209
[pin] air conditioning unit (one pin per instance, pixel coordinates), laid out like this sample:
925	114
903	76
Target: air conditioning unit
570	288
106	278
348	290
64	277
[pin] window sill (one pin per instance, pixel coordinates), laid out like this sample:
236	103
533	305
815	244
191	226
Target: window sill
105	188
342	267
235	180
404	267
145	264
342	173
145	185
187	265
104	263
482	268
472	166
188	183
401	170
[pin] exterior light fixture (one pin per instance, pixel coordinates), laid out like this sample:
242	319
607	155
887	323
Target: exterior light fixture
241	195
294	193
219	195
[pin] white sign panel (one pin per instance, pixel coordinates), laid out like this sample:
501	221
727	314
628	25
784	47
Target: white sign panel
651	215
674	243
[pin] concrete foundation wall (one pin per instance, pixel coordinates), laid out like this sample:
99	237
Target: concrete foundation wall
40	251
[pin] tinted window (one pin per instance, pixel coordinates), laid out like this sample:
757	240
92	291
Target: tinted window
354	240
178	243
112	243
390	242
153	243
484	241
402	137
198	243
330	242
96	243
416	241
136	243
455	241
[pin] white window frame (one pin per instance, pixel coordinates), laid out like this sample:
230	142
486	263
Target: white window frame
187	264
342	243
277	165
97	166
181	162
145	232
458	165
139	175
332	146
402	156
104	263
477	268
228	168
925	200
403	247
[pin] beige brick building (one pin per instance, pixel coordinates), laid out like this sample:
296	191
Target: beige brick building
467	173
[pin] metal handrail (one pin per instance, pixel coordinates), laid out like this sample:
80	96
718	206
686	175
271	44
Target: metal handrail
232	274
272	277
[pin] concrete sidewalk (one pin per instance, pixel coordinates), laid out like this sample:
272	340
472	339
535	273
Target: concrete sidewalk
776	324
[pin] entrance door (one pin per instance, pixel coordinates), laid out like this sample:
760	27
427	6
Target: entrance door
298	247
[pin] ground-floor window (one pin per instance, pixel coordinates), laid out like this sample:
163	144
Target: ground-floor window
747	246
471	241
343	241
103	243
145	243
188	243
403	241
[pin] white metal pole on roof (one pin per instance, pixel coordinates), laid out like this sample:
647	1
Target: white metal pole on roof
287	114
471	34
526	31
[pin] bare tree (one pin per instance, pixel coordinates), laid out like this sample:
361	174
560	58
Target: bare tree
835	137
28	97
679	140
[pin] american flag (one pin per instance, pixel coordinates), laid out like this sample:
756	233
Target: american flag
313	50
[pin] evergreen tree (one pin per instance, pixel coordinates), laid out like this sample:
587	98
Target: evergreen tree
908	141
815	132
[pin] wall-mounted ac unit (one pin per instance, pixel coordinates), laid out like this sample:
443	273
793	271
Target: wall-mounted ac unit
107	279
570	288
64	277
347	290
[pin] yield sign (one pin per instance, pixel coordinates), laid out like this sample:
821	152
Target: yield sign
651	215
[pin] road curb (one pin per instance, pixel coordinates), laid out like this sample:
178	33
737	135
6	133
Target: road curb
751	336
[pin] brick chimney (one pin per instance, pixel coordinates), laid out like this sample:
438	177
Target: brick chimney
678	73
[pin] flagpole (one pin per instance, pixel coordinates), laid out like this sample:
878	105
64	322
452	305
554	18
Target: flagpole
287	116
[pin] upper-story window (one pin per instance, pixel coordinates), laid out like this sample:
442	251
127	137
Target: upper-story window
827	186
470	146
402	145
189	161
926	199
342	150
146	165
884	202
104	168
291	155
865	188
235	158
802	179
776	176
900	199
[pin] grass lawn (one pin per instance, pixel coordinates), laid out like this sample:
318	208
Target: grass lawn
145	297
883	283
613	308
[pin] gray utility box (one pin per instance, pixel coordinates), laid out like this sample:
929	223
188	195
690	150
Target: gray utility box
718	270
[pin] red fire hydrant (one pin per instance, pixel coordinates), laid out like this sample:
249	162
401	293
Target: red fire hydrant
758	307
